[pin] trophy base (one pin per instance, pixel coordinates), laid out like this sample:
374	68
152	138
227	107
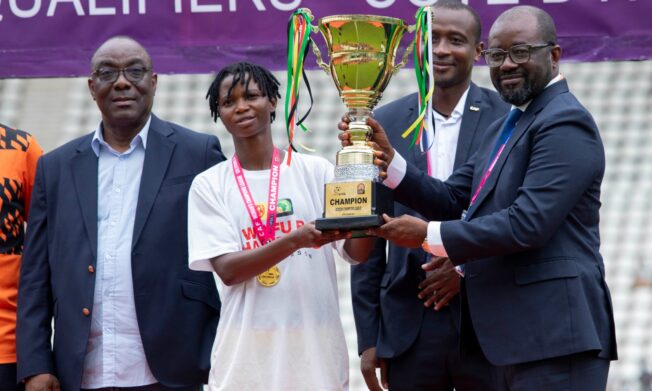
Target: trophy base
355	223
355	206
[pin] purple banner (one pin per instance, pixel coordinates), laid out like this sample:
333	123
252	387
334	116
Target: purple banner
53	38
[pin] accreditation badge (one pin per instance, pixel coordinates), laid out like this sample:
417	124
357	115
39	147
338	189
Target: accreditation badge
270	277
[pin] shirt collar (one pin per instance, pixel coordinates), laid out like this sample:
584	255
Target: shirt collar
525	105
141	137
458	111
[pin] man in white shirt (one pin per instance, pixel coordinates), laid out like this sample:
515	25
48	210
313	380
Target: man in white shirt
106	247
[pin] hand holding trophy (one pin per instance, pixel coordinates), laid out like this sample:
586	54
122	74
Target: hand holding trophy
361	49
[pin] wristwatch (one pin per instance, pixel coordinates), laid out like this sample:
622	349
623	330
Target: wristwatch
425	246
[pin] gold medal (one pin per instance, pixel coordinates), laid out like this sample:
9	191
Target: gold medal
270	277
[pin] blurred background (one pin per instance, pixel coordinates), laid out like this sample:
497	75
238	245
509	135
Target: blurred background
618	94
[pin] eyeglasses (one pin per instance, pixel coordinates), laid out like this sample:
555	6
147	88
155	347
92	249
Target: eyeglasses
133	74
519	54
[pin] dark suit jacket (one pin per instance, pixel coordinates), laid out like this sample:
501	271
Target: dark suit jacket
384	290
534	275
177	309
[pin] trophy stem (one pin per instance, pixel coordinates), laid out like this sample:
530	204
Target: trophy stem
356	161
358	128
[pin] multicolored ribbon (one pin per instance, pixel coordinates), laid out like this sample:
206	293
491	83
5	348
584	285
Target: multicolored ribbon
299	29
423	70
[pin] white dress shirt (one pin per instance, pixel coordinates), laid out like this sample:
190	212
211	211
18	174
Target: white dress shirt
441	154
115	356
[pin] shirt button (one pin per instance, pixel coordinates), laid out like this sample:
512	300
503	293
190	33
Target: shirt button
86	311
91	269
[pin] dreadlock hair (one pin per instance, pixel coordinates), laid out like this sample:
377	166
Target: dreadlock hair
243	72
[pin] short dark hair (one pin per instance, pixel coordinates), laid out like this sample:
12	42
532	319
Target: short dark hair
243	72
458	5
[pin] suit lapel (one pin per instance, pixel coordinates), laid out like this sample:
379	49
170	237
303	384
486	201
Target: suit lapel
522	126
468	129
469	125
157	158
84	167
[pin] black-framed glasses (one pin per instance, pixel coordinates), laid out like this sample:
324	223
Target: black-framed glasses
133	74
519	54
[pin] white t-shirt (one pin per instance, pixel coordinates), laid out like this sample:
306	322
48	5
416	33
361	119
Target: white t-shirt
288	336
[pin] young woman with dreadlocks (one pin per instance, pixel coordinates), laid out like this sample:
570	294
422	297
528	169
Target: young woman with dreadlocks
250	221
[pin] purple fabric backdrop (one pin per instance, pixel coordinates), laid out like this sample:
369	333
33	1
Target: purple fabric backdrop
48	38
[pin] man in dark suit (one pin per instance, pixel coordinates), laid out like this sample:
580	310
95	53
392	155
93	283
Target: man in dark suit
106	248
534	298
415	347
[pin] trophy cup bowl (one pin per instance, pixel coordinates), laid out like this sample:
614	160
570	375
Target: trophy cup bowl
362	50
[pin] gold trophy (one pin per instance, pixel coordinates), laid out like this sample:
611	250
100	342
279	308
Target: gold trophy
362	49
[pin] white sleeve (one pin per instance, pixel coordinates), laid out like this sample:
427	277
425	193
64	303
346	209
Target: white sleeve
211	231
395	171
433	238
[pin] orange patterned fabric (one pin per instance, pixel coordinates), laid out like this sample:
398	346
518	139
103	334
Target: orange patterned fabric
19	153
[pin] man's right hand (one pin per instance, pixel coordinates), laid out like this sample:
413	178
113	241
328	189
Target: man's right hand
384	152
42	382
405	231
368	364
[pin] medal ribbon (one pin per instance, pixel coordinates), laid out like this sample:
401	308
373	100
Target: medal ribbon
265	233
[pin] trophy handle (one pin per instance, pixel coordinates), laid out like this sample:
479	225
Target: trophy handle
319	58
407	51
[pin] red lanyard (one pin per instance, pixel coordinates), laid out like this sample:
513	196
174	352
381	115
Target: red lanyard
488	172
265	233
505	134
